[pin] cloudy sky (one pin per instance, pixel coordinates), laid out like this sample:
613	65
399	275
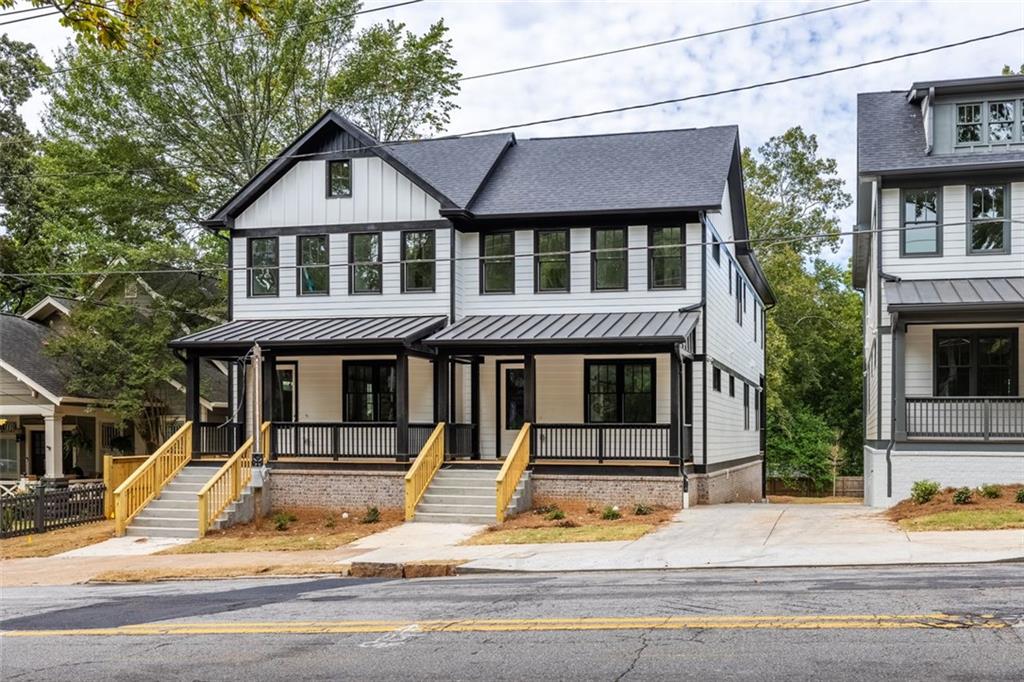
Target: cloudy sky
490	35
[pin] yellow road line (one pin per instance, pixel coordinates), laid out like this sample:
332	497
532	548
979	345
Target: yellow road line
809	622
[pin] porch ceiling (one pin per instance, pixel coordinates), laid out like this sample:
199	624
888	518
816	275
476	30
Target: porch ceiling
315	332
584	330
933	295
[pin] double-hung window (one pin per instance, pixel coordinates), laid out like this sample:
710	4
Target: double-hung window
740	299
365	275
732	386
263	263
968	123
498	263
746	406
418	264
716	249
990	223
339	178
313	271
971	362
920	234
609	259
551	260
716	379
1000	121
620	391
665	261
369	388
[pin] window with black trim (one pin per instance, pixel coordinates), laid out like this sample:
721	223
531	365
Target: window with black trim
620	391
990	220
365	274
608	263
551	260
313	271
732	386
418	261
498	263
746	406
665	258
716	379
263	264
716	249
921	232
339	178
369	391
975	362
730	276
515	398
740	305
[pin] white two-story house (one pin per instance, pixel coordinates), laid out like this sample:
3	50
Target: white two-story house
596	288
940	258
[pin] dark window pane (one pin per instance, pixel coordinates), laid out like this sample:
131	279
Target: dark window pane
515	398
498	264
419	246
968	123
340	178
920	206
1000	121
638	393
313	271
602	398
263	280
603	408
553	261
370	392
666	257
366	269
996	365
609	266
953	366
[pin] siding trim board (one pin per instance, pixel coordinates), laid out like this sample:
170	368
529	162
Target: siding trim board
339	228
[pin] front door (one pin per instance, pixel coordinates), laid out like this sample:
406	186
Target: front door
37	451
513	406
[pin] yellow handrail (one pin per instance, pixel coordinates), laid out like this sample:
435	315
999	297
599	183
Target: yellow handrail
511	471
265	442
115	470
225	486
148	480
422	471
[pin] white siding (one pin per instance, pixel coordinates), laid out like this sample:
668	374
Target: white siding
885	406
379	194
14	392
919	355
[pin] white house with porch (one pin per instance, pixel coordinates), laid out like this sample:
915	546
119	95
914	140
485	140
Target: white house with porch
940	258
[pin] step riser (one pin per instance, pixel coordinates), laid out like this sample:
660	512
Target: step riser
151	513
188	533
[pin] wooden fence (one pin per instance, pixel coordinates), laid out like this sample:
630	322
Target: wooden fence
44	508
115	471
846	486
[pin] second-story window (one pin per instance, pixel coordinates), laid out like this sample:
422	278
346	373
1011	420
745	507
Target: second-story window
665	258
609	259
990	226
551	262
498	263
314	273
920	233
968	123
1000	121
263	264
339	178
716	249
364	259
418	266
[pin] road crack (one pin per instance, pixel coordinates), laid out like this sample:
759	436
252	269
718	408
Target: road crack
644	643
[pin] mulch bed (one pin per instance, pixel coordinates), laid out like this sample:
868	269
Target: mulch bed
943	502
578	513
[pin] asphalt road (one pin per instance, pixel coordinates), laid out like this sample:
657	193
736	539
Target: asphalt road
928	623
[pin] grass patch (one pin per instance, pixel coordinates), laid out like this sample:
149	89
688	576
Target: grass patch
574	521
304	529
791	499
56	541
998	511
148	575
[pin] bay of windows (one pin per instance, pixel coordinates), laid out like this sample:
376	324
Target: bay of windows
263	262
608	259
620	391
418	266
551	261
314	272
497	263
920	234
365	267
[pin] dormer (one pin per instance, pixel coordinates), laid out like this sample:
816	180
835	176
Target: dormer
971	115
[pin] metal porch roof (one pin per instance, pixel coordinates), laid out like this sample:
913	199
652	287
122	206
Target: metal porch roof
956	294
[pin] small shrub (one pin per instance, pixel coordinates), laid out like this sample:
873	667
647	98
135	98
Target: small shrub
283	519
923	491
591	510
330	521
989	491
567	523
555	514
611	514
544	510
372	515
642	510
962	496
1020	496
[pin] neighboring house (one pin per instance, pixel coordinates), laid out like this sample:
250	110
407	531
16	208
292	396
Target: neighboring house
596	287
47	432
940	259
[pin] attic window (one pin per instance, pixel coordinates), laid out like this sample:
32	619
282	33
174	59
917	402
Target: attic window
1000	121
968	123
339	178
131	289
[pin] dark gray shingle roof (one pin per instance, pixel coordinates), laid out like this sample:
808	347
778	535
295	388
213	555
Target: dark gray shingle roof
566	329
890	137
995	292
455	167
21	346
332	331
632	171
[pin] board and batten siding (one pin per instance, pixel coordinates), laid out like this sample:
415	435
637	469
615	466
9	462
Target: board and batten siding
379	194
339	303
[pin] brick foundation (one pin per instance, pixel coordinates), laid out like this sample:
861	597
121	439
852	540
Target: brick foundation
737	484
335	489
624	491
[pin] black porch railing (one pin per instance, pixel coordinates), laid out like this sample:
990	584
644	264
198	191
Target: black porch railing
968	418
418	435
602	441
333	439
219	438
462	440
44	508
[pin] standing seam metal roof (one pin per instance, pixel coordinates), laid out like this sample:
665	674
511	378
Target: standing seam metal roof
965	293
315	331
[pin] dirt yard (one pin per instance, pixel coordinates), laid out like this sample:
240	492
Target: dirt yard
982	513
579	522
56	541
791	499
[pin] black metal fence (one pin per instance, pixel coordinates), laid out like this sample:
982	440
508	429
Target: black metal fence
974	418
44	508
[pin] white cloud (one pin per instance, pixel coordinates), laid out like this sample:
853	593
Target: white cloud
492	35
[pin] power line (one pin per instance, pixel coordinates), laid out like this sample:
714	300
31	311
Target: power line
601	112
658	43
23	11
34	16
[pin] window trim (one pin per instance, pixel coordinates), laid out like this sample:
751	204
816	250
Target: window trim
974	334
251	271
593	259
651	286
982	127
483	262
537	256
732	385
404	256
299	265
716	379
352	263
716	248
939	235
507	395
1017	124
293	367
1006	220
376	365
746	406
351	178
619	364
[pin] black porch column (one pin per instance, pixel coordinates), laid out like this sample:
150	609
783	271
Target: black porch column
899	380
675	407
474	405
192	412
266	389
529	388
442	404
402	404
687	445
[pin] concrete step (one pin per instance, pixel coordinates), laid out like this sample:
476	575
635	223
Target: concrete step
487	475
470	509
460	490
152	512
433	517
180	495
142	521
179	532
434	497
166	503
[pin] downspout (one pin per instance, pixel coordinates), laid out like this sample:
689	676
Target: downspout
892	407
694	307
